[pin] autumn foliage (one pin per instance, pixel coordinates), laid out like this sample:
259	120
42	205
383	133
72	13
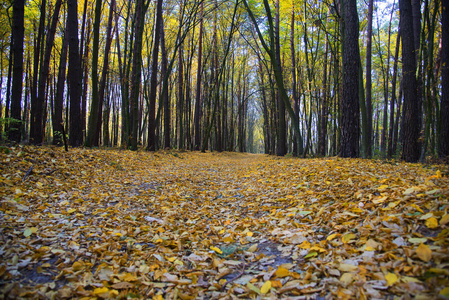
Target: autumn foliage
185	225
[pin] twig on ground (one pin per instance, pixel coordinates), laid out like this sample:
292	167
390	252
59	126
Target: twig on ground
235	278
30	170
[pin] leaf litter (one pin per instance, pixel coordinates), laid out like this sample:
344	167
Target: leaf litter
188	225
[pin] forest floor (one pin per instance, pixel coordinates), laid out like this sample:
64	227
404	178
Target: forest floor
190	225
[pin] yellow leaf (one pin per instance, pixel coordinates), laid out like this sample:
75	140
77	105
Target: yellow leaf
216	249
424	252
417	208
282	272
228	239
249	233
304	245
77	266
439	271
101	290
445	292
432	223
72	210
348	237
265	287
391	279
332	236
444	220
128	277
382	188
158	297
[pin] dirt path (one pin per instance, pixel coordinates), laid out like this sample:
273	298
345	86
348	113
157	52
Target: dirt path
118	224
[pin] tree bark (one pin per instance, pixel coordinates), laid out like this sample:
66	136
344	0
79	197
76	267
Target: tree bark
14	133
165	98
444	130
391	134
36	130
369	106
410	126
59	98
197	115
350	124
76	133
153	80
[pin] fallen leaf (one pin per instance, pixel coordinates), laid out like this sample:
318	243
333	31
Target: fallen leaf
432	223
391	279
266	287
424	253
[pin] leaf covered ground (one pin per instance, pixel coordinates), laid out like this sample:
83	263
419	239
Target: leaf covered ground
189	225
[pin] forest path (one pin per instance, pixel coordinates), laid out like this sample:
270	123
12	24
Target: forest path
171	224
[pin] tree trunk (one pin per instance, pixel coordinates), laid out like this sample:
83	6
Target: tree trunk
14	133
76	133
165	98
282	127
153	80
391	134
59	98
350	112
324	107
369	106
36	130
92	136
180	90
444	130
197	115
410	126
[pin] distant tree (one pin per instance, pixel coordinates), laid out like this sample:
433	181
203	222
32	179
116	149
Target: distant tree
350	112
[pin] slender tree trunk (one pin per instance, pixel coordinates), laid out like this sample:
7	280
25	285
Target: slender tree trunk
198	104
180	88
38	121
444	130
296	98
85	77
282	126
165	98
92	137
350	128
36	131
369	105
59	98
324	107
391	134
153	80
416	15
